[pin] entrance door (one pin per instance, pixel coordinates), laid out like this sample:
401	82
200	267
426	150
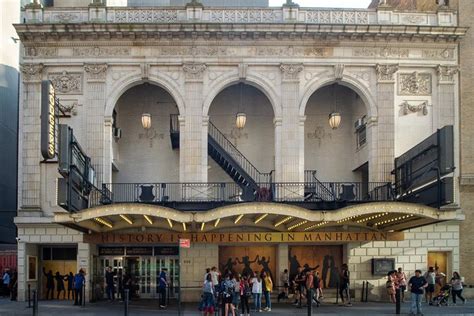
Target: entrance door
140	269
439	260
171	263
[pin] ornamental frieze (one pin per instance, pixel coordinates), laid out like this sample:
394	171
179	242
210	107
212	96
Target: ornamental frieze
385	72
414	84
66	83
41	51
194	71
101	51
31	72
447	53
291	71
384	52
96	71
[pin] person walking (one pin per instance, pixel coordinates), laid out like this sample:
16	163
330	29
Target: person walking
344	287
49	283
300	281
215	279
417	283
257	292
309	287
208	296
109	281
162	285
60	285
267	287
430	277
14	286
228	288
390	286
402	281
120	284
6	282
457	287
236	293
245	294
79	281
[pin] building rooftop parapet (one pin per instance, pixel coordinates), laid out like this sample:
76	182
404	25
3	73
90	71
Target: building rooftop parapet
217	15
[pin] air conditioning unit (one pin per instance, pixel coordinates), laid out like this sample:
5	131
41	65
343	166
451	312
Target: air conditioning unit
359	123
117	133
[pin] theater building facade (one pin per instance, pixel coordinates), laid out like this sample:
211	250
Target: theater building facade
270	137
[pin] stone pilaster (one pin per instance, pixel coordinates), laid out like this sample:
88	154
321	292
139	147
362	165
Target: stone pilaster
193	137
289	167
446	95
384	133
96	131
29	174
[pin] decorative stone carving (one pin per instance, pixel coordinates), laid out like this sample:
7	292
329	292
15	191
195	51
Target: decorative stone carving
291	71
101	51
447	53
31	72
414	84
446	73
319	135
41	51
384	52
337	17
242	15
145	16
66	83
414	19
385	72
96	71
408	107
339	71
68	107
150	135
194	71
243	68
442	3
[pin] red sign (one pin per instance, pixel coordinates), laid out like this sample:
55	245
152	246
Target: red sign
185	243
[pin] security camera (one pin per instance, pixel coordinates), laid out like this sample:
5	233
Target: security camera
17	239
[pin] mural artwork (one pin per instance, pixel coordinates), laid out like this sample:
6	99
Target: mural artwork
325	259
244	260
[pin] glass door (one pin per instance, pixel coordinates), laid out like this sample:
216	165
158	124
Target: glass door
145	281
172	266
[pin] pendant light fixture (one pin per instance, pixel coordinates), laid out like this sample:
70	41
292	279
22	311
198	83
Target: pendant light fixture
241	117
334	117
146	117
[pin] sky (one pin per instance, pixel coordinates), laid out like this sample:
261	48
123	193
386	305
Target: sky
326	3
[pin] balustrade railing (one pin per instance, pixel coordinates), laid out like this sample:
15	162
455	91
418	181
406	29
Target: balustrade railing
161	193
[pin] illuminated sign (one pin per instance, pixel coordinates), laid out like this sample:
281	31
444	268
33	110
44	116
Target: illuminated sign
49	120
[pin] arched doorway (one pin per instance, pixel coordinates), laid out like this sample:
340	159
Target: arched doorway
341	154
255	141
144	155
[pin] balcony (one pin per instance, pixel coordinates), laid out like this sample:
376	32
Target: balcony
206	196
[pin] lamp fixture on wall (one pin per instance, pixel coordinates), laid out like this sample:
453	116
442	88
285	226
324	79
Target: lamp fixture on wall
334	117
146	120
241	117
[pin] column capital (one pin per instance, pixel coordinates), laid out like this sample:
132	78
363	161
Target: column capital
291	72
385	72
446	74
277	121
32	72
97	72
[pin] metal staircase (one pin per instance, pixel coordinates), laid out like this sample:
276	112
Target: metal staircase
230	159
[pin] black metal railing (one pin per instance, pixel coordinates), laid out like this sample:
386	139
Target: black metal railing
160	193
244	163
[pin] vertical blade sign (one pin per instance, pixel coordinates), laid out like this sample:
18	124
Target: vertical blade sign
49	120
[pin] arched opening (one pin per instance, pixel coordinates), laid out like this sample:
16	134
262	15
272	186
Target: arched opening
144	155
255	141
341	154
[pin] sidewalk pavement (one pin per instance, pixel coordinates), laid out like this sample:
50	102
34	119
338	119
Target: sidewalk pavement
150	307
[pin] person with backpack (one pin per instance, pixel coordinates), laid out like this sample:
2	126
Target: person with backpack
257	292
228	294
79	281
245	294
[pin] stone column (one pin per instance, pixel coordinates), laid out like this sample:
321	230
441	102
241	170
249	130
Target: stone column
282	263
84	261
97	134
29	174
289	168
383	136
193	135
446	95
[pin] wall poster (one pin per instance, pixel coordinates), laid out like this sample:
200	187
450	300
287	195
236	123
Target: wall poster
244	260
327	260
32	268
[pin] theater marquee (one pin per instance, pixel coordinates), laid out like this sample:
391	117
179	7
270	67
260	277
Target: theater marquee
231	238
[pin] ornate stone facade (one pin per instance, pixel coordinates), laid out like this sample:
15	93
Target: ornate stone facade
66	83
414	84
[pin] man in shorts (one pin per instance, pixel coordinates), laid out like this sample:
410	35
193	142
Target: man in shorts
430	277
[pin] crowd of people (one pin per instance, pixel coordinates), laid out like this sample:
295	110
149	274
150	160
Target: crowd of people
10	284
424	284
233	292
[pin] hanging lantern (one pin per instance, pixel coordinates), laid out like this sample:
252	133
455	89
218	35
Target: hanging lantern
334	120
146	120
240	120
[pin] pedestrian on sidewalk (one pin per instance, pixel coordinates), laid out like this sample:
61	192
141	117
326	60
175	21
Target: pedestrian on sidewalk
457	288
79	281
417	283
70	285
267	287
430	277
344	287
49	283
6	282
402	281
109	281
245	294
208	296
162	285
257	292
